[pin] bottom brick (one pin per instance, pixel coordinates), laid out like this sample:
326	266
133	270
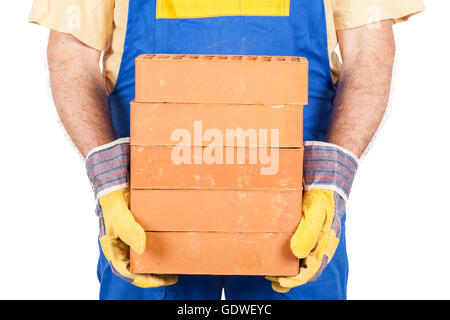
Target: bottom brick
216	253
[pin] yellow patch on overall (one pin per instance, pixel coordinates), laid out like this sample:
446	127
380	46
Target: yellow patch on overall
217	8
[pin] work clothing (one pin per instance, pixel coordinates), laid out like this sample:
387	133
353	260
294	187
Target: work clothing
282	27
107	168
329	171
103	24
294	32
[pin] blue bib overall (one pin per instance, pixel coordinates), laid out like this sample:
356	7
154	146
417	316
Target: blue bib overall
299	31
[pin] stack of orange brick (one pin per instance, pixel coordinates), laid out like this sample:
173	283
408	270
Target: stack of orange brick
216	163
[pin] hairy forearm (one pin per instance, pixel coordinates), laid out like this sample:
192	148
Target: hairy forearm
364	86
79	92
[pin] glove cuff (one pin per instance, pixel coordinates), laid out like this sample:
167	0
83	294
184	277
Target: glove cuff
328	166
107	167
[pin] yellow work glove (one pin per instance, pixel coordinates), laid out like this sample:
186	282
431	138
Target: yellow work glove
107	168
328	172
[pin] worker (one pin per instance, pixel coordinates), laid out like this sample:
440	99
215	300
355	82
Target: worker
346	104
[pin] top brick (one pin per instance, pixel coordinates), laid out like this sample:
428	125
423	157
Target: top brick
222	79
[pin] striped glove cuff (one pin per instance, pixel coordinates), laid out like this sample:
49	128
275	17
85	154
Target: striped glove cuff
107	167
328	166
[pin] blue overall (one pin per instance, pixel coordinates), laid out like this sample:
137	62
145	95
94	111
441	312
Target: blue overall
303	33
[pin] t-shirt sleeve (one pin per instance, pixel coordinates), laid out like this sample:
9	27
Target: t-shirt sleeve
90	21
355	13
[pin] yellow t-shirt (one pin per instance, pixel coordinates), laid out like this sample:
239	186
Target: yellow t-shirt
102	24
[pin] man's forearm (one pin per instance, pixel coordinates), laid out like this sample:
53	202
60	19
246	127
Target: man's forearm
79	92
364	86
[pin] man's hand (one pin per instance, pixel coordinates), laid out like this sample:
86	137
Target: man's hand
120	233
329	172
362	96
80	98
107	168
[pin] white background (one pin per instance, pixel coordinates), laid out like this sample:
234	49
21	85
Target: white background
398	214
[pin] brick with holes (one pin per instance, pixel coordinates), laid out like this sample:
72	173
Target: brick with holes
222	79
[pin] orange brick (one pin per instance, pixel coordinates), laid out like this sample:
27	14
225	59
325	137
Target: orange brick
216	253
222	79
154	123
154	168
217	210
208	217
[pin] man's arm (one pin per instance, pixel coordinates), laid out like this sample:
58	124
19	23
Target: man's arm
329	168
79	92
364	86
80	98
